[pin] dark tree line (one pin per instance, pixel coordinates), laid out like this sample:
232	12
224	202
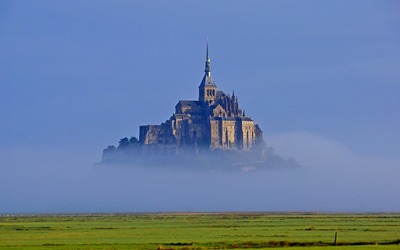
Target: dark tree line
125	142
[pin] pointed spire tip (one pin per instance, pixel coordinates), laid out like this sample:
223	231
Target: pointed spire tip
207	69
207	57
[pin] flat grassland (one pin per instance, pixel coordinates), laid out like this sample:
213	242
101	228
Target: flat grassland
200	231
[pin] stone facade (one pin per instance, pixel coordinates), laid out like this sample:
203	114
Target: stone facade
214	121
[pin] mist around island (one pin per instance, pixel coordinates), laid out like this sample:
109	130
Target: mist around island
332	179
192	157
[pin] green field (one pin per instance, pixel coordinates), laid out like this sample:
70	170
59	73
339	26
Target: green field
200	231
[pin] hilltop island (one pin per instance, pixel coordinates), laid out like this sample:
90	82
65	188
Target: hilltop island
211	132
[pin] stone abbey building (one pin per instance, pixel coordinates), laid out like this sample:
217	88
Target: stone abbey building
209	133
213	121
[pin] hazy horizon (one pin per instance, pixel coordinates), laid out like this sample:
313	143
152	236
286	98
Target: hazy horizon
321	78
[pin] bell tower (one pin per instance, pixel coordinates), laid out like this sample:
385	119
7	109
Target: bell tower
207	88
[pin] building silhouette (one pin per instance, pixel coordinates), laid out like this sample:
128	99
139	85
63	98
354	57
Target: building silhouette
212	133
214	121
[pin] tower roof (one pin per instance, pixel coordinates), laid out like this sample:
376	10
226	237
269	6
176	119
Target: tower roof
207	79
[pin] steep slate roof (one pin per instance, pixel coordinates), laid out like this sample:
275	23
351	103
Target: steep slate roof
246	119
207	80
186	103
220	93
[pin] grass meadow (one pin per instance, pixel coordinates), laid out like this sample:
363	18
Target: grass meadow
200	231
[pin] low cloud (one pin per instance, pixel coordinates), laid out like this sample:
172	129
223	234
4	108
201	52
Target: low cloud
332	179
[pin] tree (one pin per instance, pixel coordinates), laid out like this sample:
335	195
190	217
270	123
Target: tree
133	140
110	148
123	142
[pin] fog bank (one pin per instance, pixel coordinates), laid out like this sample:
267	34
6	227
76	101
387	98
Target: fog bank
332	179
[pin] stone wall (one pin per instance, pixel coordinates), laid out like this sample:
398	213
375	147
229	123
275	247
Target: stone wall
228	132
248	135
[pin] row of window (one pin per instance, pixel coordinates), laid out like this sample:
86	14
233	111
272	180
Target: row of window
210	92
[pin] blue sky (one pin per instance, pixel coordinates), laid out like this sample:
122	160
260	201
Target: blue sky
76	76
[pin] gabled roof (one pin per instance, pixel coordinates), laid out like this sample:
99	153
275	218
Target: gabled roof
214	106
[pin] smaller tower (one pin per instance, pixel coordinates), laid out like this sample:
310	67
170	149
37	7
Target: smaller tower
207	88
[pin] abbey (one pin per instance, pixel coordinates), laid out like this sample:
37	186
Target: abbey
214	121
211	133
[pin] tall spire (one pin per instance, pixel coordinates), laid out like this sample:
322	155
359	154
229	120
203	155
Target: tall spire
208	69
207	88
